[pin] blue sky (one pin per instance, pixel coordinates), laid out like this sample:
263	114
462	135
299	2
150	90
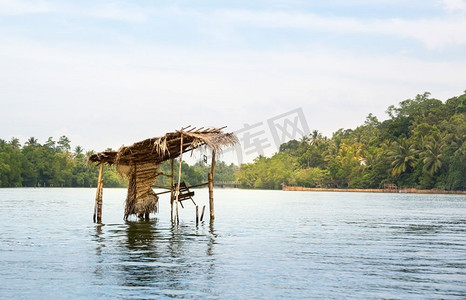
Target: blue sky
107	73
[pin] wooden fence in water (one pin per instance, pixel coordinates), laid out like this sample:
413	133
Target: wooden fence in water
388	190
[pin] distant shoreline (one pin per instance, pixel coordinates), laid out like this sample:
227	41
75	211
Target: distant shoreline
410	190
296	188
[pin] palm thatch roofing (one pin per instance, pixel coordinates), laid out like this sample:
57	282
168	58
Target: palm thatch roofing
140	161
158	149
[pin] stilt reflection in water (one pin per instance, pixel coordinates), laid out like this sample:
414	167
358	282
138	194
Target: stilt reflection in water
159	258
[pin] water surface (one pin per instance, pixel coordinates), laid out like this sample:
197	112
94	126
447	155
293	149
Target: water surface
263	244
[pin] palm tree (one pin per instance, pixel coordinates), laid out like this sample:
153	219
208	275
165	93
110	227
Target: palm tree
403	157
316	136
89	153
461	151
78	150
78	153
32	141
458	141
15	143
433	156
304	140
332	150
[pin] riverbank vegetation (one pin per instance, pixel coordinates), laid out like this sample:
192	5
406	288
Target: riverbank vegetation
421	145
51	164
55	164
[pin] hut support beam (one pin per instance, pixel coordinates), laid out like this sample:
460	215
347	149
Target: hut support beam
211	187
177	220
98	196
149	154
172	187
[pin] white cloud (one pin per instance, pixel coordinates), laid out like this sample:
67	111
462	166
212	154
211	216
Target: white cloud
114	12
454	5
25	7
108	95
432	32
108	11
121	97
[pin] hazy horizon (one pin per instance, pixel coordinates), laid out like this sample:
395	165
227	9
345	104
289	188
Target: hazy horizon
112	73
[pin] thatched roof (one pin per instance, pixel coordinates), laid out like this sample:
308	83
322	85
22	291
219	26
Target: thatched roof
159	149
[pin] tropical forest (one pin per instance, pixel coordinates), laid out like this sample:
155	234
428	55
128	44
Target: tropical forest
421	144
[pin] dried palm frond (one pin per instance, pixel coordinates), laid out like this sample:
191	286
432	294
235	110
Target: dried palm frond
140	161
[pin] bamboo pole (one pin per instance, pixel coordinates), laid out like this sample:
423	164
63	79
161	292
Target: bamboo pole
211	186
98	195
166	192
202	214
211	196
99	211
172	187
177	220
198	185
97	192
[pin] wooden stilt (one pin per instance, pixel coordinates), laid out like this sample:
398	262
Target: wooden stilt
202	214
197	215
172	187
98	196
177	220
99	203
211	186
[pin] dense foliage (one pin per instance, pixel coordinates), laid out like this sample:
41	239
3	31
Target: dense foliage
422	145
53	164
197	173
49	165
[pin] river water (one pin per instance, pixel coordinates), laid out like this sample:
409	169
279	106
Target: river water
262	245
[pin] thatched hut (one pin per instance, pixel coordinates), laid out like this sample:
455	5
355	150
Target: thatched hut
140	163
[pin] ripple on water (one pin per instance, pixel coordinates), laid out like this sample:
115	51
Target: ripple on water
263	244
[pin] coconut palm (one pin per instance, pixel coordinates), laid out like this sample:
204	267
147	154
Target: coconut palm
432	156
32	141
15	143
458	142
90	152
316	137
304	140
403	157
461	150
78	150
